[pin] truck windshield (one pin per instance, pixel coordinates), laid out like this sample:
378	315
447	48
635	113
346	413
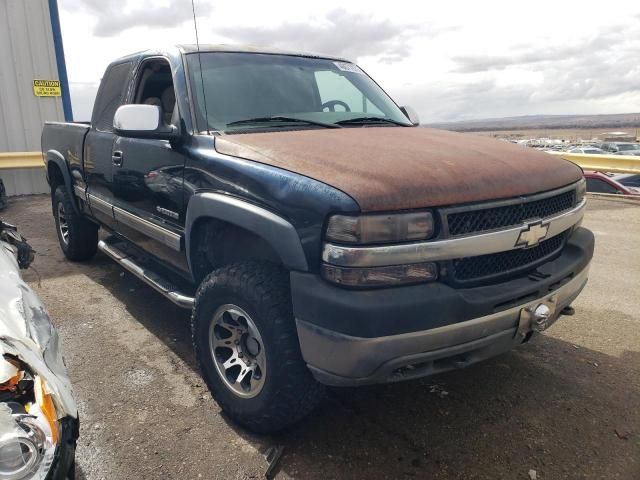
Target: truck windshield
247	91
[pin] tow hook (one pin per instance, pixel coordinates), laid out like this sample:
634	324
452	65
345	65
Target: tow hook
537	317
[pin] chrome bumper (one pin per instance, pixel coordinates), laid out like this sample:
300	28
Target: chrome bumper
339	359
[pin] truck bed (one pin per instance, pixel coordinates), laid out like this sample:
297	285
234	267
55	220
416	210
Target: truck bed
64	140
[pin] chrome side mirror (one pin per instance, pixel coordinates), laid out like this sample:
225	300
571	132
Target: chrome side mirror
411	114
142	121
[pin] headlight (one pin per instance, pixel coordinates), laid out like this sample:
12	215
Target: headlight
28	435
380	228
581	191
24	449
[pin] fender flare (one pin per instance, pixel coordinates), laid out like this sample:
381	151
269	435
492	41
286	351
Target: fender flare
57	159
275	230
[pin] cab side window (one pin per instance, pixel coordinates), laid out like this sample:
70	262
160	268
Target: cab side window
110	96
155	87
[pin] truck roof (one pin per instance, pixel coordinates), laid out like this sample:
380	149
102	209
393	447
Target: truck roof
205	48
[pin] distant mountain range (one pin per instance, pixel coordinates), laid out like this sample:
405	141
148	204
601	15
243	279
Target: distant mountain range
535	122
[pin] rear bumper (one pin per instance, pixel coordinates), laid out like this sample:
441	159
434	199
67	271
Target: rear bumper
428	329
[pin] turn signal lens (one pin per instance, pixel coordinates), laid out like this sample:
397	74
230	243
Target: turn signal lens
380	276
380	228
581	191
45	402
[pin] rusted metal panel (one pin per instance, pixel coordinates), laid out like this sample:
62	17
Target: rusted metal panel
391	168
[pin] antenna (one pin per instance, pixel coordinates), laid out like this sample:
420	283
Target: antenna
204	97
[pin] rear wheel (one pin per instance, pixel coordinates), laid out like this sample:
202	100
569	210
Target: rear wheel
78	236
247	346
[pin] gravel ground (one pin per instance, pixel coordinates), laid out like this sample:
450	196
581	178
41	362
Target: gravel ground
566	405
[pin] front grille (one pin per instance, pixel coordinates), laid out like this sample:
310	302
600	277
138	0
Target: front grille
481	220
502	264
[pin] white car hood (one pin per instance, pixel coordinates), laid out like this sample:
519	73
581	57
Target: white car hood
26	332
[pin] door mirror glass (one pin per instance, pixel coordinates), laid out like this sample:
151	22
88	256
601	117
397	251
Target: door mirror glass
411	114
137	118
142	121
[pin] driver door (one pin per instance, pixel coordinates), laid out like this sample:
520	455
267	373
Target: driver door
148	174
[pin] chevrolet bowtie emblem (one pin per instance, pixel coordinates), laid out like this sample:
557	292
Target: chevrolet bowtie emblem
531	235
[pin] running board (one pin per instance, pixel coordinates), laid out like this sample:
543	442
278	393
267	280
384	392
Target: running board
151	278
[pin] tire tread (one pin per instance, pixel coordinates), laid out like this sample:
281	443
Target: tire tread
83	234
267	287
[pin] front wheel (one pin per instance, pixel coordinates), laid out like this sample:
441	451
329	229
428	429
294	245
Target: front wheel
78	236
247	346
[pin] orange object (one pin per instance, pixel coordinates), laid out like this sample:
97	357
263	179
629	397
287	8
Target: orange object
46	405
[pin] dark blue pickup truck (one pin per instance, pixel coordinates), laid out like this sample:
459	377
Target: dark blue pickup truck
317	233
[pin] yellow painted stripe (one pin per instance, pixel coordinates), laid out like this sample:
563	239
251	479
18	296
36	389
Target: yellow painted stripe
21	160
601	163
604	163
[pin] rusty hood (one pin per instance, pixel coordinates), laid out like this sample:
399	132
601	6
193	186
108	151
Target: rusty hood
387	168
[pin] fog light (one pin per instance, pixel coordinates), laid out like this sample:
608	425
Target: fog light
540	317
380	276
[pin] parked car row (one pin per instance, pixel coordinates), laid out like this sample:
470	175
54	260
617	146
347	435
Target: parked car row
635	153
616	148
588	150
619	147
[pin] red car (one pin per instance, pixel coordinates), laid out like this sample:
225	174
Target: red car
598	182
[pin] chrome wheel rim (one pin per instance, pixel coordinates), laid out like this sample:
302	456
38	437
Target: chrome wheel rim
63	224
237	351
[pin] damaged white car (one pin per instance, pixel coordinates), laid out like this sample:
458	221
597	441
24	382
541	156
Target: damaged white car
38	415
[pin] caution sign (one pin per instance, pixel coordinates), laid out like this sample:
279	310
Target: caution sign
47	88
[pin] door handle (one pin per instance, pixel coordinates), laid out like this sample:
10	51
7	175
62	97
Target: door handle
116	158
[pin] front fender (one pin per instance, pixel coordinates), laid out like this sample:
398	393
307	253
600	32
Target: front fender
275	230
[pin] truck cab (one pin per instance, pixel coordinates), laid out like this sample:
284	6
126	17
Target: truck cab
319	235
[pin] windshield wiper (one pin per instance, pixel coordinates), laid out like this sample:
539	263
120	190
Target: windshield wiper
363	120
281	119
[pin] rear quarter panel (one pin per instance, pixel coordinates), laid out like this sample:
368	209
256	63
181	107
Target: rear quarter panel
64	142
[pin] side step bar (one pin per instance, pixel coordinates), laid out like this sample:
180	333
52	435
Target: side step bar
151	278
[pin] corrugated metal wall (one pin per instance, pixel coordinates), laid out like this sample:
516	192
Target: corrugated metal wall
24	181
26	54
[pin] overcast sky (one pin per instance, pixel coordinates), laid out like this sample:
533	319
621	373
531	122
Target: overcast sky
448	60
